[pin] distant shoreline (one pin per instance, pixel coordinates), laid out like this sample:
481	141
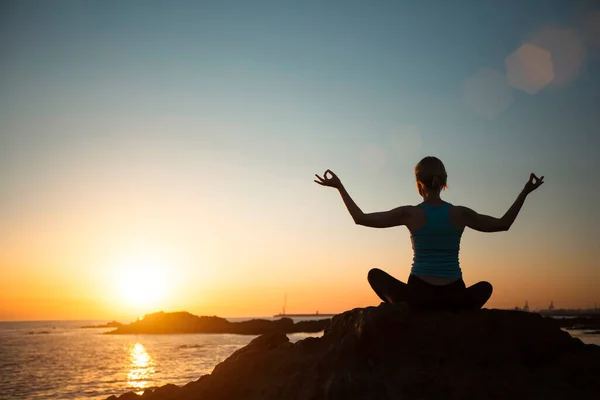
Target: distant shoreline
302	315
112	324
184	322
567	313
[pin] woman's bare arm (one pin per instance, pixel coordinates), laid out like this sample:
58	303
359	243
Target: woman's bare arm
485	223
353	208
385	219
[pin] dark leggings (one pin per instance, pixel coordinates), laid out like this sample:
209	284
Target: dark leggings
425	297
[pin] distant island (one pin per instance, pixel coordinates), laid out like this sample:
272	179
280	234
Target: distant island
184	322
280	315
111	324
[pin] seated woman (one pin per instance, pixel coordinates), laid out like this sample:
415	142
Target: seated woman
435	282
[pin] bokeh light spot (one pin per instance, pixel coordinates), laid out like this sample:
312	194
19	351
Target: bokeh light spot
529	68
486	93
567	52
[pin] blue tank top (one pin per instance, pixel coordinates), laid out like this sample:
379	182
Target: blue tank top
436	245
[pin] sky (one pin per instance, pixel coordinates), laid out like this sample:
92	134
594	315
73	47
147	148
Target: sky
161	155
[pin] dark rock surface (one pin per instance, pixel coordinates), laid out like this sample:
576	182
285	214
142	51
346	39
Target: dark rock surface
184	322
386	352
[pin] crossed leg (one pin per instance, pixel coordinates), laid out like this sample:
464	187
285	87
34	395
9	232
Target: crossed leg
388	288
478	294
391	290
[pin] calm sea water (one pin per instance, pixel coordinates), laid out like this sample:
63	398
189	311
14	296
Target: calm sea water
59	360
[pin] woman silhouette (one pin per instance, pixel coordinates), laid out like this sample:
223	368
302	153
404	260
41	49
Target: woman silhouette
435	282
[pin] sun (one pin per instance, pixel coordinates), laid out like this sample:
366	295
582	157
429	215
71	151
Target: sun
143	283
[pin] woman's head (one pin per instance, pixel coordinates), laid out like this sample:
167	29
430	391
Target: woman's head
431	176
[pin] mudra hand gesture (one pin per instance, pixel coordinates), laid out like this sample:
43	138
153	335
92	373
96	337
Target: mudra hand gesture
332	181
533	183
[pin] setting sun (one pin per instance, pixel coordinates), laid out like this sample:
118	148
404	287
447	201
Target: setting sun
142	284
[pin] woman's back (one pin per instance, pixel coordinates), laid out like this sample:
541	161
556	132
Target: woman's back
435	241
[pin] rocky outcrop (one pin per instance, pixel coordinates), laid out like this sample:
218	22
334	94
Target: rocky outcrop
184	322
112	324
386	352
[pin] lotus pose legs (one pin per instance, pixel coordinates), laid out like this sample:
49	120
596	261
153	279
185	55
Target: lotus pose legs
423	296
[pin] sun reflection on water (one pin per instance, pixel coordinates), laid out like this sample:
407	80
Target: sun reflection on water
141	367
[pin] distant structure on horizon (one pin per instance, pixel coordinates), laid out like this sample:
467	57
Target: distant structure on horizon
552	310
525	307
283	313
284	303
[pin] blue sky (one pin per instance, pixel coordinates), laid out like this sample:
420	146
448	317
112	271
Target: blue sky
222	111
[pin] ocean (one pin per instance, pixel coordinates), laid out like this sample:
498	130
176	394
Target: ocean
60	360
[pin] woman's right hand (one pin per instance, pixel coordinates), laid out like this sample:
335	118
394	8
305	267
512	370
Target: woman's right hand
533	183
332	181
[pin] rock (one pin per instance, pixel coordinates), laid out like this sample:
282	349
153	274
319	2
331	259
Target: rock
191	346
168	391
127	396
184	322
112	324
386	352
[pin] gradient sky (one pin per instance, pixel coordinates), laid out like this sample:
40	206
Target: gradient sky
183	137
